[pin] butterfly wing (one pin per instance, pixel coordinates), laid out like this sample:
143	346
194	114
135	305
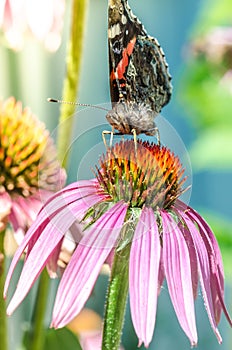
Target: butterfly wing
148	80
121	40
138	69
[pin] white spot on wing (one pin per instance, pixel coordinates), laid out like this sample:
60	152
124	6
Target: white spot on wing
113	31
124	19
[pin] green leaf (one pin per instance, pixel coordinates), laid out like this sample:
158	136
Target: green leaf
61	339
54	339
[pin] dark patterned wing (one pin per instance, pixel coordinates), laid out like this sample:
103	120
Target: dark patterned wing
148	79
139	74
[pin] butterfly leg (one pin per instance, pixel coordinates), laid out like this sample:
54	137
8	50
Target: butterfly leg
157	136
133	131
107	132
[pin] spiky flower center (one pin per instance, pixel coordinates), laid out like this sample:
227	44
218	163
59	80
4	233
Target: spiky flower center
27	154
141	174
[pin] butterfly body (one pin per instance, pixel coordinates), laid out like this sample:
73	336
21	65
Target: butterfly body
139	80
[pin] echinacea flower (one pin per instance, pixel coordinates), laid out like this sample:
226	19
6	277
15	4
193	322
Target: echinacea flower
215	46
5	208
92	341
88	327
30	172
132	201
43	19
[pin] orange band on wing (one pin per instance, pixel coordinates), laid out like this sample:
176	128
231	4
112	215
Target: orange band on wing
121	68
122	65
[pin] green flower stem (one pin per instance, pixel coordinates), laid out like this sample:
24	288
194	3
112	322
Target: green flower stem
36	337
74	53
71	82
14	77
3	318
116	300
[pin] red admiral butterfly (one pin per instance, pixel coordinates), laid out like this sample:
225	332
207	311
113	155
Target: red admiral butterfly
139	80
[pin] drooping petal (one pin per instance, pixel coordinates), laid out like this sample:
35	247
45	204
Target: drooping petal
51	263
161	275
209	240
204	272
60	201
84	267
81	190
192	253
17	217
64	250
42	251
25	210
216	265
178	275
143	275
53	229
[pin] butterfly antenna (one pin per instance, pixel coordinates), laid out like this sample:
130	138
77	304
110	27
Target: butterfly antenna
76	104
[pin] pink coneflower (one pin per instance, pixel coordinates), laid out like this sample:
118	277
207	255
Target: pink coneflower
216	46
92	341
30	172
133	201
88	326
43	19
5	208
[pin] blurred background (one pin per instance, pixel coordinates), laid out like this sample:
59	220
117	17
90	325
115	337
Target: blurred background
196	36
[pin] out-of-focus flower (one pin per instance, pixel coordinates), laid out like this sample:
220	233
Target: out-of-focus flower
5	208
215	45
226	81
92	341
30	172
42	19
88	326
133	200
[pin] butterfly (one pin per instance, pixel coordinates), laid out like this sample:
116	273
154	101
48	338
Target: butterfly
140	83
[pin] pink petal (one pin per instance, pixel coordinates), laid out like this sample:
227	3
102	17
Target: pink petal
178	275
203	224
5	204
143	275
37	10
5	209
192	255
204	273
216	265
51	264
84	267
92	340
45	17
209	240
161	275
25	210
41	252
83	192
6	15
17	217
52	227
